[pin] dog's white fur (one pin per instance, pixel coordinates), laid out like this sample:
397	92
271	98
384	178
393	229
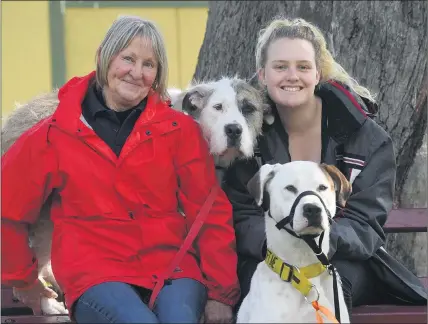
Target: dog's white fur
230	92
271	300
217	105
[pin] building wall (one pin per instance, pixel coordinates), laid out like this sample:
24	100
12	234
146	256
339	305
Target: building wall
65	34
25	54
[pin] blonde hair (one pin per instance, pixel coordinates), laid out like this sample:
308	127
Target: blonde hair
301	29
122	32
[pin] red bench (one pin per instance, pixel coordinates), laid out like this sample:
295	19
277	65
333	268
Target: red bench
407	221
399	221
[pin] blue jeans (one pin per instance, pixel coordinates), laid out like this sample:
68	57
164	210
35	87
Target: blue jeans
183	301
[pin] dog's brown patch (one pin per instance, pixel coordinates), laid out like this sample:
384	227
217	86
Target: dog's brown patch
339	182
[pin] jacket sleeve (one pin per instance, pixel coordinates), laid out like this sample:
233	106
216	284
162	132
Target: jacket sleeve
247	215
26	183
357	234
215	243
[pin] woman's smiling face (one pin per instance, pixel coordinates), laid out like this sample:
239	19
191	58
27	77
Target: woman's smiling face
290	73
131	74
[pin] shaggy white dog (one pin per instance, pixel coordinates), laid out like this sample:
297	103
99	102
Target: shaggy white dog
230	113
306	193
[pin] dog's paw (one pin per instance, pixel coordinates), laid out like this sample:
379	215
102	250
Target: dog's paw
51	306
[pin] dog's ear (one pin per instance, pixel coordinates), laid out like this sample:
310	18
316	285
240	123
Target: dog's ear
268	115
195	98
342	185
257	184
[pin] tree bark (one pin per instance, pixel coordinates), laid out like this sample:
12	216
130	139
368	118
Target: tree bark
381	44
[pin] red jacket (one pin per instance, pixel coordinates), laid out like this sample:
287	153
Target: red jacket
115	218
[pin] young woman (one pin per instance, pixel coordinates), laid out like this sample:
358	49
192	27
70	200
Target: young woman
321	114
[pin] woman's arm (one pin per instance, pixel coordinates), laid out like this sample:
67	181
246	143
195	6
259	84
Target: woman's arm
357	232
248	216
28	177
216	240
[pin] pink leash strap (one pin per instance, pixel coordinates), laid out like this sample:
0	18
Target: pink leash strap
194	230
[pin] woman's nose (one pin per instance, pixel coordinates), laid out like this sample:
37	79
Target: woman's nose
136	71
292	74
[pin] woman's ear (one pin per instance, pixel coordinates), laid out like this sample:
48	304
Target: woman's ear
318	76
261	75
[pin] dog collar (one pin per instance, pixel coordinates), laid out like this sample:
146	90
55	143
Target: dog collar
298	277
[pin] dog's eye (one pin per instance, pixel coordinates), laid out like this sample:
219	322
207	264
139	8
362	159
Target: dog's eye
218	106
247	108
291	188
322	188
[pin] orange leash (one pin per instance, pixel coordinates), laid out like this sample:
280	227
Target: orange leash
321	309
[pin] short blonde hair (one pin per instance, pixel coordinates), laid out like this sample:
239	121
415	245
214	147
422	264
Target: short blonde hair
301	29
123	30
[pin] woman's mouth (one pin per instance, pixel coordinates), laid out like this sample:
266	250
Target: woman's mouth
291	89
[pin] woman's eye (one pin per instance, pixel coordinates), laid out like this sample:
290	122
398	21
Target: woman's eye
128	58
304	67
322	187
149	64
280	67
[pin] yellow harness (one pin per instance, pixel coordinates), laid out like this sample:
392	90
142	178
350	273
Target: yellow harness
299	279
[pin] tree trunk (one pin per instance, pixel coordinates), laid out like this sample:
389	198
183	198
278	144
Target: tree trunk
383	45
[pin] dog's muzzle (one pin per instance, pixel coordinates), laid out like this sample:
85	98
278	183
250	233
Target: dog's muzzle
233	133
311	211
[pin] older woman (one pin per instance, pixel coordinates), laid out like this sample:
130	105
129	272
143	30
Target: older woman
117	161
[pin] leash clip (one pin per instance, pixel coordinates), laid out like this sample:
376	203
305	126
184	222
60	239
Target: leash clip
318	294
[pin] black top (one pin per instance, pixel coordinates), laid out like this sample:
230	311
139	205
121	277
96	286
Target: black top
284	136
111	126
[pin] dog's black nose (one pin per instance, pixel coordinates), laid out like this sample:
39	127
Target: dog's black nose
313	214
233	131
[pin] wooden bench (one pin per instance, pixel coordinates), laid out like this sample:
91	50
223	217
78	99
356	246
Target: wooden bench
399	221
407	221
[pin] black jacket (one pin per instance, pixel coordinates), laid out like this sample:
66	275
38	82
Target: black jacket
364	153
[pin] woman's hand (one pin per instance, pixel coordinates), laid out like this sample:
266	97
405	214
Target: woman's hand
32	295
216	312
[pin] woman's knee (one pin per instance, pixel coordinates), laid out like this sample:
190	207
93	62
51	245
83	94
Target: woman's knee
112	302
182	301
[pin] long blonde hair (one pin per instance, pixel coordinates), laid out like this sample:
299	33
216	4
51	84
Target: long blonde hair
301	29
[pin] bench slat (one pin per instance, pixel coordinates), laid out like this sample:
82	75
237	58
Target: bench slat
389	314
407	220
11	306
36	319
